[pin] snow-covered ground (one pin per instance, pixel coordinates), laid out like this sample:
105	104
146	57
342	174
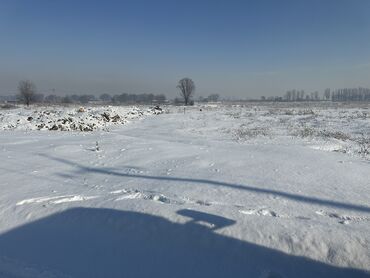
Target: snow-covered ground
70	118
252	190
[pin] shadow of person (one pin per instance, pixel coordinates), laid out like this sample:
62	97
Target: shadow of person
94	242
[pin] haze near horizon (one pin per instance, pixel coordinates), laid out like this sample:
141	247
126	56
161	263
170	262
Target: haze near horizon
242	49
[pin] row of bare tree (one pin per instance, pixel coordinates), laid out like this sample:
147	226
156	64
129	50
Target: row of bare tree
346	94
27	94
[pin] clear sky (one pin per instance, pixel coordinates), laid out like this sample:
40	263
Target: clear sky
234	48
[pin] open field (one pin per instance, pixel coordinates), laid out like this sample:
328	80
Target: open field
220	190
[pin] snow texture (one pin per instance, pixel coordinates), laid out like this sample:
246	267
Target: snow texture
218	191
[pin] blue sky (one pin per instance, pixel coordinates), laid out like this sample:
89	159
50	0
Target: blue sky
234	48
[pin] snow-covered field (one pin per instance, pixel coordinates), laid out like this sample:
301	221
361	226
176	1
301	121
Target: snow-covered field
257	190
70	118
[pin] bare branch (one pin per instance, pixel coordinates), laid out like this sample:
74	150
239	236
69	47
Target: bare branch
187	89
27	90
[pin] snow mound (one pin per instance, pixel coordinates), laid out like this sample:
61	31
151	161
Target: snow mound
70	118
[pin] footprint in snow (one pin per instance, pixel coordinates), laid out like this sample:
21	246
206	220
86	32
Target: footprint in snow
259	212
130	196
202	203
342	219
136	194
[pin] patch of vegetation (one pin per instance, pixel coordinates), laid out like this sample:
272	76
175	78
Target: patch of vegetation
243	133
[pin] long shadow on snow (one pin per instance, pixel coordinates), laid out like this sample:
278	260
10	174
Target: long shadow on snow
90	242
291	196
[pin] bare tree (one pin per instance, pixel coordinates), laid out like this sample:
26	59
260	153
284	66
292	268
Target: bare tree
327	94
105	97
27	91
187	88
213	97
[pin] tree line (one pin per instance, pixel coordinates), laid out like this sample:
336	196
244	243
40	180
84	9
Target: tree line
27	94
86	98
345	94
348	94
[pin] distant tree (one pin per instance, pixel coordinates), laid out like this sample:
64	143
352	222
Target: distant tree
177	101
39	98
187	88
86	98
294	95
288	96
66	99
160	98
202	99
105	97
75	98
213	97
27	90
52	99
121	98
327	94
316	95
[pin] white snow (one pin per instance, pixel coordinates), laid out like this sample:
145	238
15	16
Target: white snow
272	190
69	118
40	200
